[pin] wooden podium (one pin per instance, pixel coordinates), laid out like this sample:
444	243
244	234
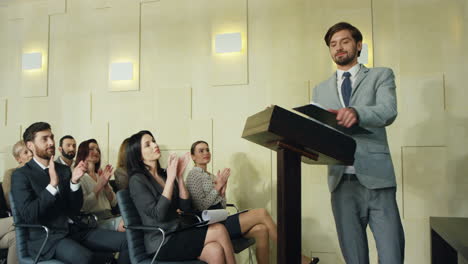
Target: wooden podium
295	138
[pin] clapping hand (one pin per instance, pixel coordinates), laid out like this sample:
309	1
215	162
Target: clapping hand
222	178
78	172
172	167
54	179
104	175
182	164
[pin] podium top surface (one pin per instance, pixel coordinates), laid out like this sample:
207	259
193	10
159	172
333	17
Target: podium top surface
276	124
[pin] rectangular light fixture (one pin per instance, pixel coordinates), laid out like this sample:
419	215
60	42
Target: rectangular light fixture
364	57
121	71
229	42
31	61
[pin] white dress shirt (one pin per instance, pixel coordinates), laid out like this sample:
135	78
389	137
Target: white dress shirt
354	71
53	190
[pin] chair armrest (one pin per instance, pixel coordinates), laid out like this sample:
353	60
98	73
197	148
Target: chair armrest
192	214
36	259
232	205
150	228
141	227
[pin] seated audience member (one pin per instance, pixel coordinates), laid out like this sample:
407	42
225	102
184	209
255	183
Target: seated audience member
120	174
67	148
49	193
98	196
209	192
158	194
8	239
22	155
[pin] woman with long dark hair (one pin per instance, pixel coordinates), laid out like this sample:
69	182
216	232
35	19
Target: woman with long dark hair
158	194
209	192
98	196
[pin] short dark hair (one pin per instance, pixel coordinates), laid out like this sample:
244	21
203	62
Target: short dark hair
194	145
31	131
63	138
83	151
355	33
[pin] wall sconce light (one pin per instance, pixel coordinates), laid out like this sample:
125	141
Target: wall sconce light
121	71
229	42
364	57
31	61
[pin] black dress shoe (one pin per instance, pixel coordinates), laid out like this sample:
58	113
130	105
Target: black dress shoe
314	260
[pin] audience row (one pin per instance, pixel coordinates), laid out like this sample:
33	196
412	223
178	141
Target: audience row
56	193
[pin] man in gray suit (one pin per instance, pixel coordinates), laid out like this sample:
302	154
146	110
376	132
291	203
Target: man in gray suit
362	194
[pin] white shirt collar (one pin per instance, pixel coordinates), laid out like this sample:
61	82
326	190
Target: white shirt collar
354	70
63	162
40	164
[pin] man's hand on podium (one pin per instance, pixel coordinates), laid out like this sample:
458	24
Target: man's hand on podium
346	117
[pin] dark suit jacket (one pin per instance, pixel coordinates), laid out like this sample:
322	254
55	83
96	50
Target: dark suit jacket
36	205
155	209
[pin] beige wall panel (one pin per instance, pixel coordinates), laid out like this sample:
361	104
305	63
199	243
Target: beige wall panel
122	128
173	117
35	33
179	135
168	42
3	111
318	225
457	140
6	162
100	4
289	94
10	135
57	7
124	40
13	73
4	50
417	236
426	192
422	111
418	56
15	10
229	16
249	184
386	33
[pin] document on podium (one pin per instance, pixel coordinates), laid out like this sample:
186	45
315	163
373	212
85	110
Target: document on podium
324	116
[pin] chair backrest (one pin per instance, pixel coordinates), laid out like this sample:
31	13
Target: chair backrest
135	238
21	234
3	205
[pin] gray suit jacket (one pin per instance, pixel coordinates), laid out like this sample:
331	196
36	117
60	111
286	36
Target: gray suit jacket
155	209
374	99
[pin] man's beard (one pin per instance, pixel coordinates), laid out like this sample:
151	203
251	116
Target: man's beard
69	156
45	153
346	59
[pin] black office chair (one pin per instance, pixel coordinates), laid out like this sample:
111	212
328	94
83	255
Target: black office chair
135	236
21	231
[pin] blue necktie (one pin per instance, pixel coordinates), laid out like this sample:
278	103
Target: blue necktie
346	88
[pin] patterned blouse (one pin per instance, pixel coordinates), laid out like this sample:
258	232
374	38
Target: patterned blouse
202	190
